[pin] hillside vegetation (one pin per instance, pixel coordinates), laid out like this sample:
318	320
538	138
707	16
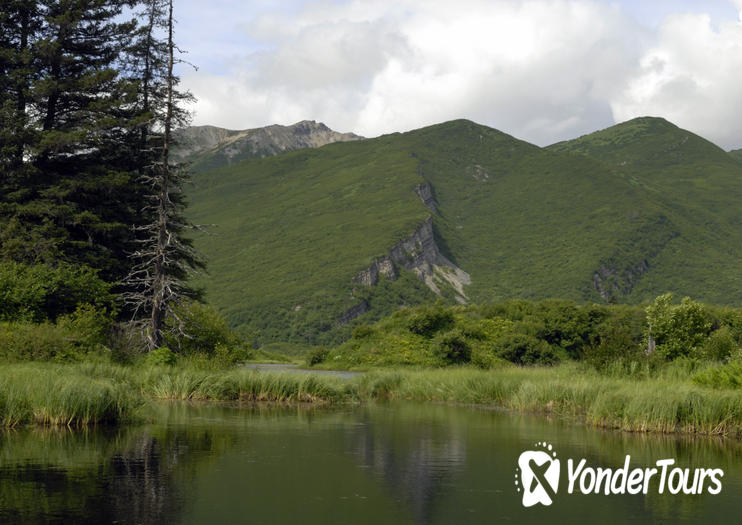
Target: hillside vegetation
621	215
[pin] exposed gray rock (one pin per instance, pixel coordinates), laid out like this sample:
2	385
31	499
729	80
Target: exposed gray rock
229	145
370	276
611	282
617	275
425	192
351	313
420	254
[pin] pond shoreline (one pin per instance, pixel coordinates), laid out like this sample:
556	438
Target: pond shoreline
82	394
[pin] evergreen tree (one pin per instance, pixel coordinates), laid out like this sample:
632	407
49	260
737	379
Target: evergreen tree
68	178
20	23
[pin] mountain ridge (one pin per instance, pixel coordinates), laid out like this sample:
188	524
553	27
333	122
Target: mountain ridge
516	219
210	147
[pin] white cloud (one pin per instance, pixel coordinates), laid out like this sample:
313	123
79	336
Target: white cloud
692	78
542	70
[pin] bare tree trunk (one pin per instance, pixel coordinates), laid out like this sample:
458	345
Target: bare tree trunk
159	308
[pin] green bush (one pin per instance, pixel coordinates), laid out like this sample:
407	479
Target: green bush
512	310
484	357
72	337
37	293
162	356
362	331
205	330
614	340
724	376
720	345
317	356
427	321
678	330
524	349
452	347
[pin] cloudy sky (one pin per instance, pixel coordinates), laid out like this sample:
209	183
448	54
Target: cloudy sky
541	70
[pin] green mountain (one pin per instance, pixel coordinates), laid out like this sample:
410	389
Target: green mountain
312	241
737	155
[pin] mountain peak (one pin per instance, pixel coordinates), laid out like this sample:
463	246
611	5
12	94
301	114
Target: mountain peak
210	147
645	142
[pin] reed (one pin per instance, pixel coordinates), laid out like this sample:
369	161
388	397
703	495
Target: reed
53	394
96	393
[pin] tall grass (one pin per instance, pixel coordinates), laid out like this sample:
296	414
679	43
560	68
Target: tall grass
660	404
54	394
100	393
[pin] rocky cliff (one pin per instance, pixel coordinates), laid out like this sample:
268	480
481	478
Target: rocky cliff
419	253
226	146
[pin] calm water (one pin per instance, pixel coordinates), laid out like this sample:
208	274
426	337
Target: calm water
397	463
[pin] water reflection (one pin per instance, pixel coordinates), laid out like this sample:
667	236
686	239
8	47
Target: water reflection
88	476
397	463
416	466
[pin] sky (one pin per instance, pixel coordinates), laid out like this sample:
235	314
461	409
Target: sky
541	70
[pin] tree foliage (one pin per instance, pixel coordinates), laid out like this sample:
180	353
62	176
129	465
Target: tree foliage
88	104
678	330
65	116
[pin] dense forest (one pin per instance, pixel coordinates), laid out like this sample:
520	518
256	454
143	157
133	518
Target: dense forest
92	229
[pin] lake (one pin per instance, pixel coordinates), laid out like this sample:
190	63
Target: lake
376	464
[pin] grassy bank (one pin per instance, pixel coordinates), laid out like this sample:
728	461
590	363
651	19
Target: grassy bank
54	394
91	393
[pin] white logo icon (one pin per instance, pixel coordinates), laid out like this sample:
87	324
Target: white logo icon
537	475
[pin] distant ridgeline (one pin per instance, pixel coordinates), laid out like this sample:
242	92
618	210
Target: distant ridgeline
309	242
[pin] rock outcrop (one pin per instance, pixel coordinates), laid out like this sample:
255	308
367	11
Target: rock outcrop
617	275
419	253
425	192
229	145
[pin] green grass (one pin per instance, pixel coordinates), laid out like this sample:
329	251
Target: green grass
651	207
648	405
100	393
55	394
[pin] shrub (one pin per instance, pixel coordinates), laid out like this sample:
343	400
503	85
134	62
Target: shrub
725	376
162	356
362	331
426	320
525	350
483	357
72	337
317	356
205	330
36	293
513	310
719	345
614	341
452	347
678	330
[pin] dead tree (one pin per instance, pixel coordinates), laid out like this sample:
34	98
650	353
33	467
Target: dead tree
157	283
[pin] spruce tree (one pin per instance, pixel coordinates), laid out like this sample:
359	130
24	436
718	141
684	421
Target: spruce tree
69	178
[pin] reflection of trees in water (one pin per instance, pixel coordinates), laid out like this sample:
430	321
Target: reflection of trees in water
415	462
139	488
130	477
605	448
